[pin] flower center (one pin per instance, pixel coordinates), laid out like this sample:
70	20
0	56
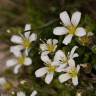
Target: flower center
50	47
73	72
51	68
71	29
7	86
26	43
84	40
21	59
64	60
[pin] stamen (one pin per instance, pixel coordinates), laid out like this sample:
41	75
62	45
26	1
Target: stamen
26	43
73	72
21	59
71	29
51	68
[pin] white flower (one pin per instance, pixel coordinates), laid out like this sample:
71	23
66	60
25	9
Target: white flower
5	84
70	27
23	41
50	46
86	40
71	72
18	62
21	93
48	70
34	93
64	59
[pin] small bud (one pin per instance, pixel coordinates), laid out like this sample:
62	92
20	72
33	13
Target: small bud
78	94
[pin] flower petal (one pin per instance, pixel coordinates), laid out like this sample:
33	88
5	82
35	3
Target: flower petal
16	39
60	31
33	37
2	81
26	51
64	77
11	62
27	61
16	69
75	55
75	80
34	93
49	41
59	55
90	34
67	39
76	18
41	72
21	93
78	68
61	68
43	47
49	78
16	49
71	62
72	51
80	32
27	34
55	41
65	18
27	27
45	58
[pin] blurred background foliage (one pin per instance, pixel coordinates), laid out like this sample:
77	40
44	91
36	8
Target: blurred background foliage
44	16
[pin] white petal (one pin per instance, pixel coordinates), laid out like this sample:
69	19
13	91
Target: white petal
16	69
90	34
55	63
27	34
72	51
2	81
59	55
55	41
11	62
75	55
26	51
75	80
43	47
16	39
45	58
76	18
16	49
65	18
61	68
49	41
27	61
60	31
78	68
27	27
71	62
21	93
80	32
41	72
64	77
34	93
49	78
67	39
33	37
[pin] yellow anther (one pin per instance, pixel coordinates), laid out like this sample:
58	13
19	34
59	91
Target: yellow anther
71	29
73	72
21	59
50	47
51	68
26	43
